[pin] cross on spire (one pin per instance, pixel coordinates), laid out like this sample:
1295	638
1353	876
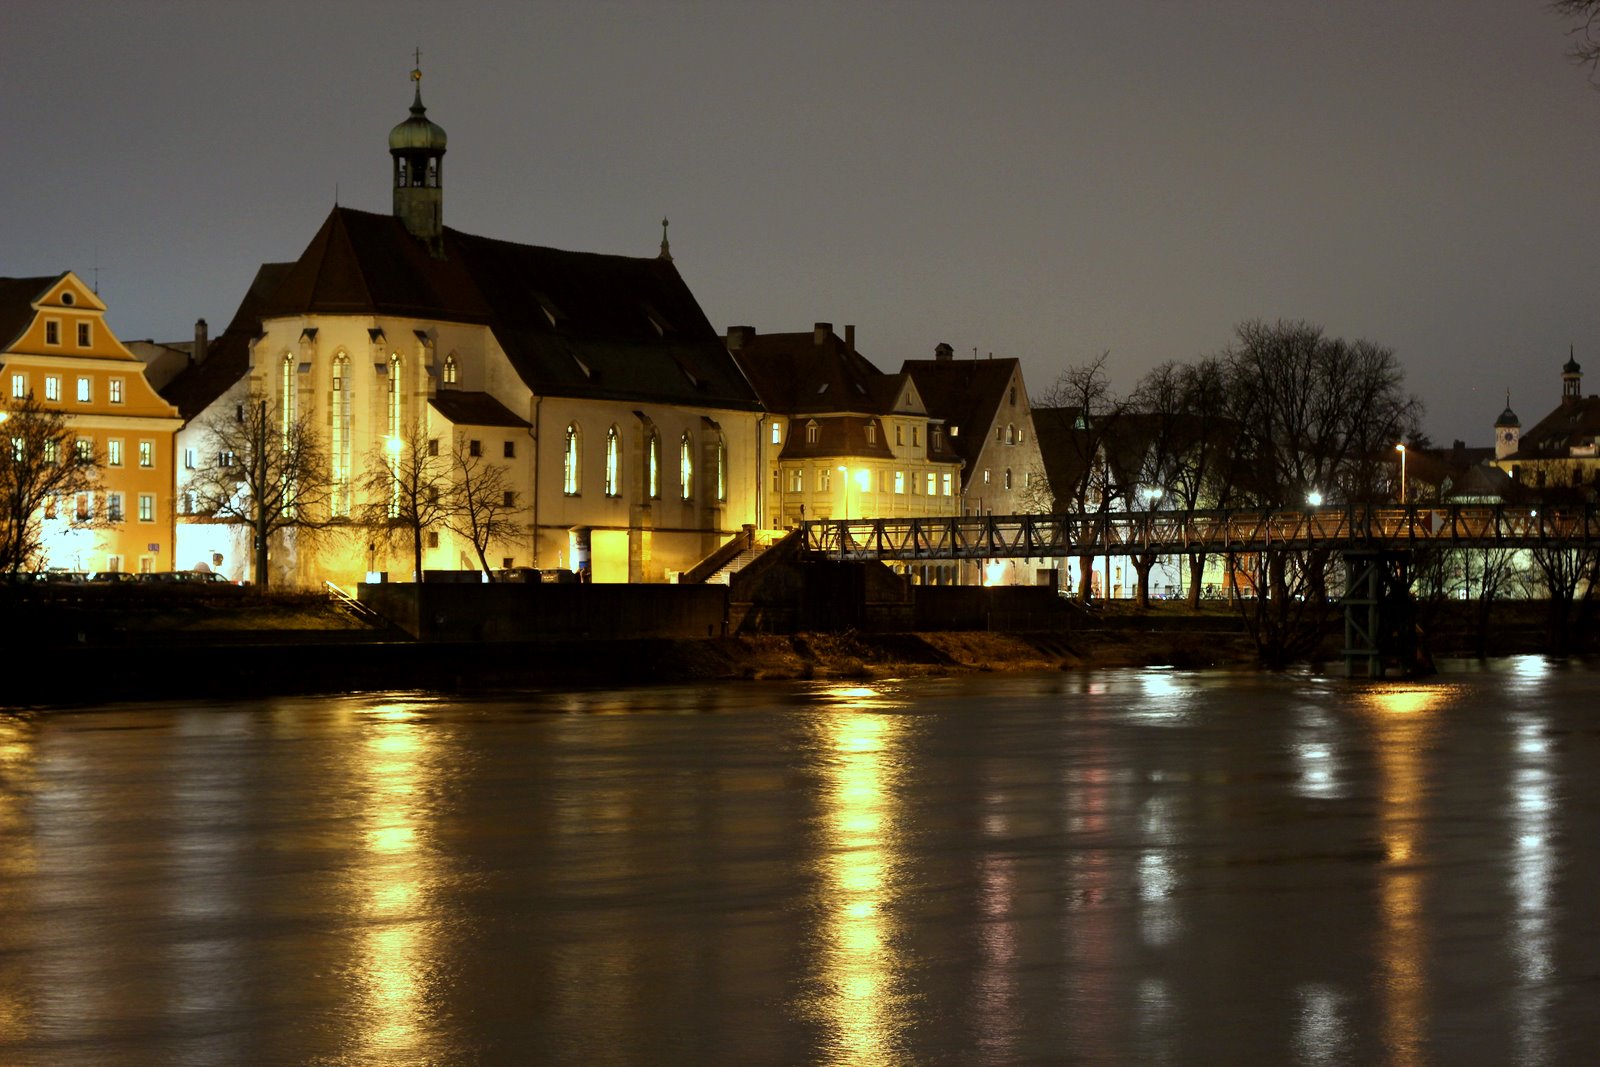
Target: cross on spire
416	71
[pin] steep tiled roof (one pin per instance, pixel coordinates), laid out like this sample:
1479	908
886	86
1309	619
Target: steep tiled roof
474	409
16	305
572	323
227	356
795	375
965	394
1576	423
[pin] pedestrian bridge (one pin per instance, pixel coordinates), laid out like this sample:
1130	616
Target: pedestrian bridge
1134	533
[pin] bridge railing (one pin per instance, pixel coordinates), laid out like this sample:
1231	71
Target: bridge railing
1126	533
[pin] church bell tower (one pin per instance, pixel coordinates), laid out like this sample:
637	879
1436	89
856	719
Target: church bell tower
417	148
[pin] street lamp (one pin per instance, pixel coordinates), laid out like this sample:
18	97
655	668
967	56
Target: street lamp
1314	498
1401	448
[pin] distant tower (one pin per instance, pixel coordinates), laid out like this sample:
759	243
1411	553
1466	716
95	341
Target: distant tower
1507	431
666	250
1571	380
417	147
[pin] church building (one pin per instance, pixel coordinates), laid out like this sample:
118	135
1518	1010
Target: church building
626	432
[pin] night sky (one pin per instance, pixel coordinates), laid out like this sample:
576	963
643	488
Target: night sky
1044	181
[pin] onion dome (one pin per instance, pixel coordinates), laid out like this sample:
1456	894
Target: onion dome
417	133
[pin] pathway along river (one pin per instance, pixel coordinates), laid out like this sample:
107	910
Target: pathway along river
1119	867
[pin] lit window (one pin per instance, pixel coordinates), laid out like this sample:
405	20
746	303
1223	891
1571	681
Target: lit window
19	386
933	484
147	507
52	332
947	483
17	449
114	390
686	467
450	369
653	465
824	480
85	449
85	390
900	483
52	387
396	398
52	451
286	398
1008	477
147	453
613	462
114	452
796	480
986	476
340	434
113	507
84	335
722	470
225	459
570	473
777	434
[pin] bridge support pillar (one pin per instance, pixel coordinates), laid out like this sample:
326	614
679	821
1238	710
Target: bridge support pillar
1380	630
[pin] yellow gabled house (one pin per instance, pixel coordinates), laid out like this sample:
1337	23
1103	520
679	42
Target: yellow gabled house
55	346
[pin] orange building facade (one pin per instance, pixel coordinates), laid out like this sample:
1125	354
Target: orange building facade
55	346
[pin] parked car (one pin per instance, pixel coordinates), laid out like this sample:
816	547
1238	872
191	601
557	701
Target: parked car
113	576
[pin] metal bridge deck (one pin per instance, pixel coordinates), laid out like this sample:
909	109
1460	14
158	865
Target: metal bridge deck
1129	533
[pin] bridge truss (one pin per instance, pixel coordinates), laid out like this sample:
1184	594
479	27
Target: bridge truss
1129	533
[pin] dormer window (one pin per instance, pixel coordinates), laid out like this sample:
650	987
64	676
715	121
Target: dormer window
872	433
450	369
813	432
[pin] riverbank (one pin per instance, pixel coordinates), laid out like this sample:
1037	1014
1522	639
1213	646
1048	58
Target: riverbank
231	643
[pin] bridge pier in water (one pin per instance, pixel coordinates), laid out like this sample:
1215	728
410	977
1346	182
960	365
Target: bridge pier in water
1380	627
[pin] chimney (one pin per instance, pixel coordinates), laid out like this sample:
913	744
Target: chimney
739	336
200	341
820	332
944	353
850	338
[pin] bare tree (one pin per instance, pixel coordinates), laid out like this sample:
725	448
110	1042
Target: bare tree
1075	417
265	474
483	506
1567	574
408	490
1313	414
41	463
1586	34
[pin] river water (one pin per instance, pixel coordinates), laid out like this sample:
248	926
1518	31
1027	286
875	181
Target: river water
1119	867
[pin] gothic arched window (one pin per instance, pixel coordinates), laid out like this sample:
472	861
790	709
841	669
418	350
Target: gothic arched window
570	473
613	462
653	465
686	467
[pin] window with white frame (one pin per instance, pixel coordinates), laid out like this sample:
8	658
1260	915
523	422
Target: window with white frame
796	480
813	432
114	390
52	451
85	335
777	433
824	480
85	389
19	386
933	483
147	453
946	483
52	331
84	448
147	507
113	507
872	433
114	452
52	387
900	483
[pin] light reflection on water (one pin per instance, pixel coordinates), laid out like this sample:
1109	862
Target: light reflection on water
1122	867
